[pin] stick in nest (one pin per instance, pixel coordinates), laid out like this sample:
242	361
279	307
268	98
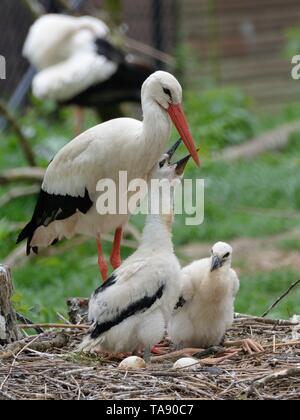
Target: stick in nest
54	326
292	286
59	341
282	374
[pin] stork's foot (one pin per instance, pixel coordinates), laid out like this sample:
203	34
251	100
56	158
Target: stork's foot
248	345
251	346
159	350
162	348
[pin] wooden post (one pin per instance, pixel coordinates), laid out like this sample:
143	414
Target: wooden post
8	321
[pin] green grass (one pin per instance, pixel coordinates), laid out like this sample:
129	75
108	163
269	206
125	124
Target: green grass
240	199
258	291
289	245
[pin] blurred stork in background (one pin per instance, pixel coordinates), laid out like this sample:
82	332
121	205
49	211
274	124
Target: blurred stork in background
77	64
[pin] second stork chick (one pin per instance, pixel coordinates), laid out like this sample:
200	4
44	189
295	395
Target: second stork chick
130	312
206	308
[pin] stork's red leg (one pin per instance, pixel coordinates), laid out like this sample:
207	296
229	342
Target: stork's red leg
115	256
79	120
101	261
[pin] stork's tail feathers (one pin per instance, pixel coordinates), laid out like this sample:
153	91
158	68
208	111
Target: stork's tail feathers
89	344
40	231
27	233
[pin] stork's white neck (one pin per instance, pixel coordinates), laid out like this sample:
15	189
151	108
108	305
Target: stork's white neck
157	234
156	128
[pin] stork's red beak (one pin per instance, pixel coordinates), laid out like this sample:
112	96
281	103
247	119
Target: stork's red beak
179	120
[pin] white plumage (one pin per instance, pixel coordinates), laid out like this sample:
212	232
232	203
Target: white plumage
131	311
206	307
63	50
69	78
53	38
67	202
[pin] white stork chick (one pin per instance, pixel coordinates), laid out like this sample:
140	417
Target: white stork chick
205	309
130	312
67	204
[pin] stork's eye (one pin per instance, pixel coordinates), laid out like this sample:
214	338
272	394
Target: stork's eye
227	255
168	92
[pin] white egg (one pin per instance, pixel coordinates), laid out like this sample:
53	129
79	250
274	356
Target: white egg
186	363
132	362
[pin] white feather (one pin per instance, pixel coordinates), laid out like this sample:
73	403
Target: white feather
67	79
67	60
51	38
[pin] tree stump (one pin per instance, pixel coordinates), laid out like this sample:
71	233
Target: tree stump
8	322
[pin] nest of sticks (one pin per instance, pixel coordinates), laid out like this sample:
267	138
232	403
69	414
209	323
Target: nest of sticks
46	367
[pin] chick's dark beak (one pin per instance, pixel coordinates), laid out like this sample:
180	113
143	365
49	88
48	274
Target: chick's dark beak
216	263
181	165
171	152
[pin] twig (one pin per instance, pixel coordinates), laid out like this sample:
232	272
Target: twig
286	344
276	139
6	396
15	360
267	321
18	256
22	174
177	353
27	321
54	326
282	374
59	341
150	51
17	193
295	284
25	146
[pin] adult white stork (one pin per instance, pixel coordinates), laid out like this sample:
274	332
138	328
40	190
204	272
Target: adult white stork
67	201
78	65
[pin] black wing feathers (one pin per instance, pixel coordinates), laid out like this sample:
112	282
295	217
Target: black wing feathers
110	51
51	207
109	282
134	308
